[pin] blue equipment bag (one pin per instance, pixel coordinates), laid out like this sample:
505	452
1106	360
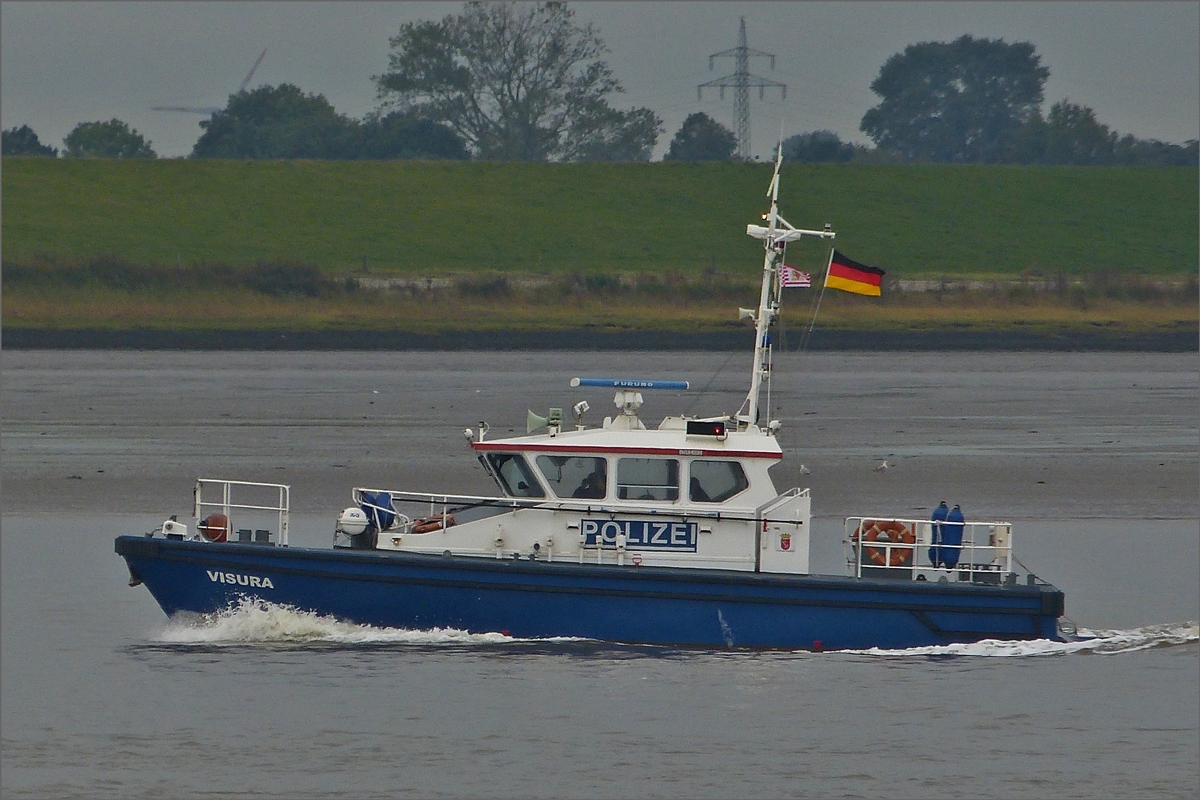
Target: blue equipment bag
378	508
937	555
952	536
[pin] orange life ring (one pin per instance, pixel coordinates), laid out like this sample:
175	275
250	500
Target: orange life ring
896	533
862	529
433	523
214	528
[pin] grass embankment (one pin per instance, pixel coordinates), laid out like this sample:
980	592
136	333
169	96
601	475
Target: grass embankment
294	298
271	245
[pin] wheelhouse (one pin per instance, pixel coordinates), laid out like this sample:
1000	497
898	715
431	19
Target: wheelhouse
666	476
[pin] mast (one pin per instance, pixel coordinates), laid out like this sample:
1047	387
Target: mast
777	233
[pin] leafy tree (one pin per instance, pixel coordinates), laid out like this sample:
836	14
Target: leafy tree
23	141
112	139
277	122
1153	153
1027	145
1075	136
1071	134
960	101
516	84
607	134
820	146
702	138
400	135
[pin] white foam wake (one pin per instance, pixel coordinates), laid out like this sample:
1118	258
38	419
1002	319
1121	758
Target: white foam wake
1105	642
252	621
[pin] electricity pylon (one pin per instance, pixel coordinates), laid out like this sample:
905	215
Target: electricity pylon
741	81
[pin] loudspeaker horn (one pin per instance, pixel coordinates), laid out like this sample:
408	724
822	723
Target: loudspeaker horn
533	422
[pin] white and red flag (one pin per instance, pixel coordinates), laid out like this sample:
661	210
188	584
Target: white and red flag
791	278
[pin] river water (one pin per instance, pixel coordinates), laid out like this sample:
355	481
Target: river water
1092	456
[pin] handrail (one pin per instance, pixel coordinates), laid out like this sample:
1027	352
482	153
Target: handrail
226	504
780	499
984	547
742	514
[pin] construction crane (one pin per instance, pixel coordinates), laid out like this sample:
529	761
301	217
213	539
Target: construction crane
215	109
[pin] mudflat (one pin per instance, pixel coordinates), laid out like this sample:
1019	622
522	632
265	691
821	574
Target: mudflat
1007	435
1181	338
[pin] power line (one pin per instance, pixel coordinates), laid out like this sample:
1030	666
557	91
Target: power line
741	81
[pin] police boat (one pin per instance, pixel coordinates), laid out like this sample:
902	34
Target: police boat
619	532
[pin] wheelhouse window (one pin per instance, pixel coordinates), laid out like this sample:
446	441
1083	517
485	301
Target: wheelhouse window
515	477
716	481
648	479
578	477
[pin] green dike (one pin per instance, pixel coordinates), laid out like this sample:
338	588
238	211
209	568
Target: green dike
452	218
645	255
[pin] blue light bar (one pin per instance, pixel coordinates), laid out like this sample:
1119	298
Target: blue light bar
628	383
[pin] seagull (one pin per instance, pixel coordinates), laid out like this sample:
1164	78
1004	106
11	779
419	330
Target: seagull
882	466
804	470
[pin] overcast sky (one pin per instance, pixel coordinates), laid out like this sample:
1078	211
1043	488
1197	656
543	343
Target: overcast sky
1136	64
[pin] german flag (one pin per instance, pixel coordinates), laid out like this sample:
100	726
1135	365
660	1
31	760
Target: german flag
851	276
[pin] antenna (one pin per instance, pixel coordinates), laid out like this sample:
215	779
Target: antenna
741	81
775	235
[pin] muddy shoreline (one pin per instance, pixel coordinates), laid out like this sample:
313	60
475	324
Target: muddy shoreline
586	339
1028	435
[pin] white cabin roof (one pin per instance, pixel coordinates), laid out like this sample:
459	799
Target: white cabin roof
669	439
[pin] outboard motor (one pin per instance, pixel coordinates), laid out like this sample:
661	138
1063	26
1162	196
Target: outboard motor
937	556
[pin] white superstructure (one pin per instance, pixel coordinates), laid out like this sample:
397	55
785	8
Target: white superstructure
619	493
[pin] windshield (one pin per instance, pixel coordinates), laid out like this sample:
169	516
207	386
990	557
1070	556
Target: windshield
580	477
514	475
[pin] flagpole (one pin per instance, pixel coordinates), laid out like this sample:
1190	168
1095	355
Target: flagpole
828	266
808	333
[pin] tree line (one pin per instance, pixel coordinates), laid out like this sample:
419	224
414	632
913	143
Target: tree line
506	82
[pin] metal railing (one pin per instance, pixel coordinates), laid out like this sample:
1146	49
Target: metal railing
452	503
443	506
920	548
228	503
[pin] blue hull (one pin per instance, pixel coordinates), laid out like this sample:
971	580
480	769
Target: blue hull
527	599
